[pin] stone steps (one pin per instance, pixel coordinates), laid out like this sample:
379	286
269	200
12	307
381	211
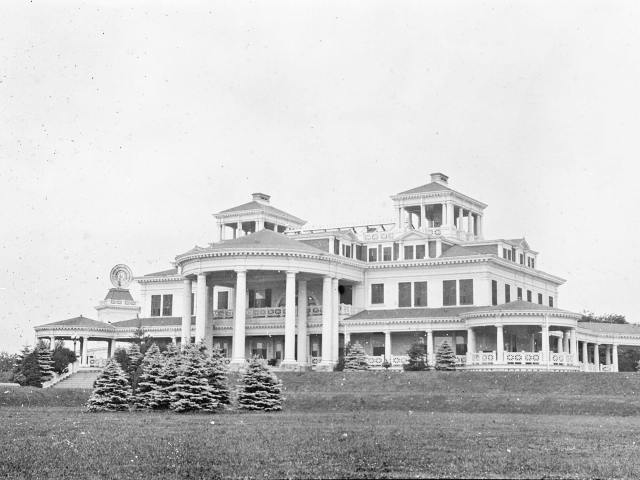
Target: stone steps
79	380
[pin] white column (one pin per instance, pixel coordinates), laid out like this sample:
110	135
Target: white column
423	215
201	307
110	348
387	345
438	247
430	347
83	350
237	358
470	222
302	323
451	221
52	342
585	353
596	356
559	344
499	343
607	355
335	321
574	345
327	347
400	218
259	224
471	340
174	340
290	322
221	236
479	226
443	219
565	342
545	344
460	215
615	357
186	312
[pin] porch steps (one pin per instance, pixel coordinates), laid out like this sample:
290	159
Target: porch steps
81	379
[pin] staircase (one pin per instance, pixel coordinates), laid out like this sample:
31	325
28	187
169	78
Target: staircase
80	379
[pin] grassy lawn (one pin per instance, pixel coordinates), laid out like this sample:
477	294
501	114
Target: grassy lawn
345	425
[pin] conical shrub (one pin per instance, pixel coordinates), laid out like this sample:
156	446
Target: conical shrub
111	391
445	357
191	390
218	376
152	366
355	358
260	388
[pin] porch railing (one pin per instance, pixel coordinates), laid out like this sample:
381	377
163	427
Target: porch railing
482	358
271	312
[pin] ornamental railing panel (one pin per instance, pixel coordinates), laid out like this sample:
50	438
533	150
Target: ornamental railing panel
483	358
314	310
223	313
461	360
399	360
375	360
606	368
560	358
523	358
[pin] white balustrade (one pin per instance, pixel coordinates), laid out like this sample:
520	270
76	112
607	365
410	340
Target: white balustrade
399	360
523	358
461	360
223	313
344	309
375	360
560	358
483	358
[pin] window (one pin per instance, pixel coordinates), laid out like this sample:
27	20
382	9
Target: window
167	305
432	249
408	252
507	293
513	254
377	293
504	253
223	300
419	252
551	301
521	259
260	298
336	246
519	293
494	292
466	292
386	254
448	292
373	254
533	263
528	295
193	303
540	298
420	294
396	250
155	305
404	294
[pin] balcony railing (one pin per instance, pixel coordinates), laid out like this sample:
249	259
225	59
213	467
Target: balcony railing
112	301
279	312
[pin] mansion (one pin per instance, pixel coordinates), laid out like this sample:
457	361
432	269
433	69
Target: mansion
297	296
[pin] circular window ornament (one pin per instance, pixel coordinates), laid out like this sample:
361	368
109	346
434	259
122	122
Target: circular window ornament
121	276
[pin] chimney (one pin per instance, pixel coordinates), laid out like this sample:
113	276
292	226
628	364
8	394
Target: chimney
261	197
439	178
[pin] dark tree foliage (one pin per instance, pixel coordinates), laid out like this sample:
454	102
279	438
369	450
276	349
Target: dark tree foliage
355	358
28	370
111	390
7	366
417	358
191	389
445	357
166	380
260	388
62	357
45	362
218	376
606	318
143	340
152	364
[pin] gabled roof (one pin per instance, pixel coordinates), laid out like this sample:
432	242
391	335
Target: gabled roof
77	322
429	187
164	273
413	233
518	242
254	205
151	322
611	327
118	294
411	313
264	240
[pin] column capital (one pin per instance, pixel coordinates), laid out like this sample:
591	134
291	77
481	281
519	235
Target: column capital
293	272
240	270
499	325
186	280
429	331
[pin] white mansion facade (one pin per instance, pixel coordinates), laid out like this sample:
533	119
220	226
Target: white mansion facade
296	296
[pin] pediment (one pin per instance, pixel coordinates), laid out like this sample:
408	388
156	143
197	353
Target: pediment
413	235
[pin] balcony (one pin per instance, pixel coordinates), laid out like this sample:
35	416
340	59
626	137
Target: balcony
279	312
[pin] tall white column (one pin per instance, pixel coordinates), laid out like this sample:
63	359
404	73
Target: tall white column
52	342
221	228
438	247
443	219
607	355
596	356
335	320
460	216
400	225
451	221
545	344
302	323
430	346
423	215
574	345
565	342
83	350
479	226
237	358
239	232
470	222
585	353
559	344
327	347
614	349
186	312
290	322
201	307
471	340
499	343
387	345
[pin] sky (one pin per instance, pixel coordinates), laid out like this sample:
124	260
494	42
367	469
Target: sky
125	125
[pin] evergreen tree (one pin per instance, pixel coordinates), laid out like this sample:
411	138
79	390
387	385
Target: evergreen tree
135	366
445	357
111	390
166	381
45	362
417	358
191	390
355	358
218	376
152	365
260	389
62	357
172	350
27	371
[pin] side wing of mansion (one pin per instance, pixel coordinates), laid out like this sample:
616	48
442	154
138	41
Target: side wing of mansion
296	296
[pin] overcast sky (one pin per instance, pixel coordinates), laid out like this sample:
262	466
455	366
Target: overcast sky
125	125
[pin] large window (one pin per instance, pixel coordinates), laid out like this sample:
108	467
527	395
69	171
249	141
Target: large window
529	296
408	252
507	293
519	293
448	292
551	301
404	294
386	254
260	298
167	305
540	298
155	305
223	300
466	292
432	249
494	292
377	293
419	252
373	254
420	294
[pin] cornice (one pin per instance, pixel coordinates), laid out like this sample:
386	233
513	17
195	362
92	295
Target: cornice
171	278
519	313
